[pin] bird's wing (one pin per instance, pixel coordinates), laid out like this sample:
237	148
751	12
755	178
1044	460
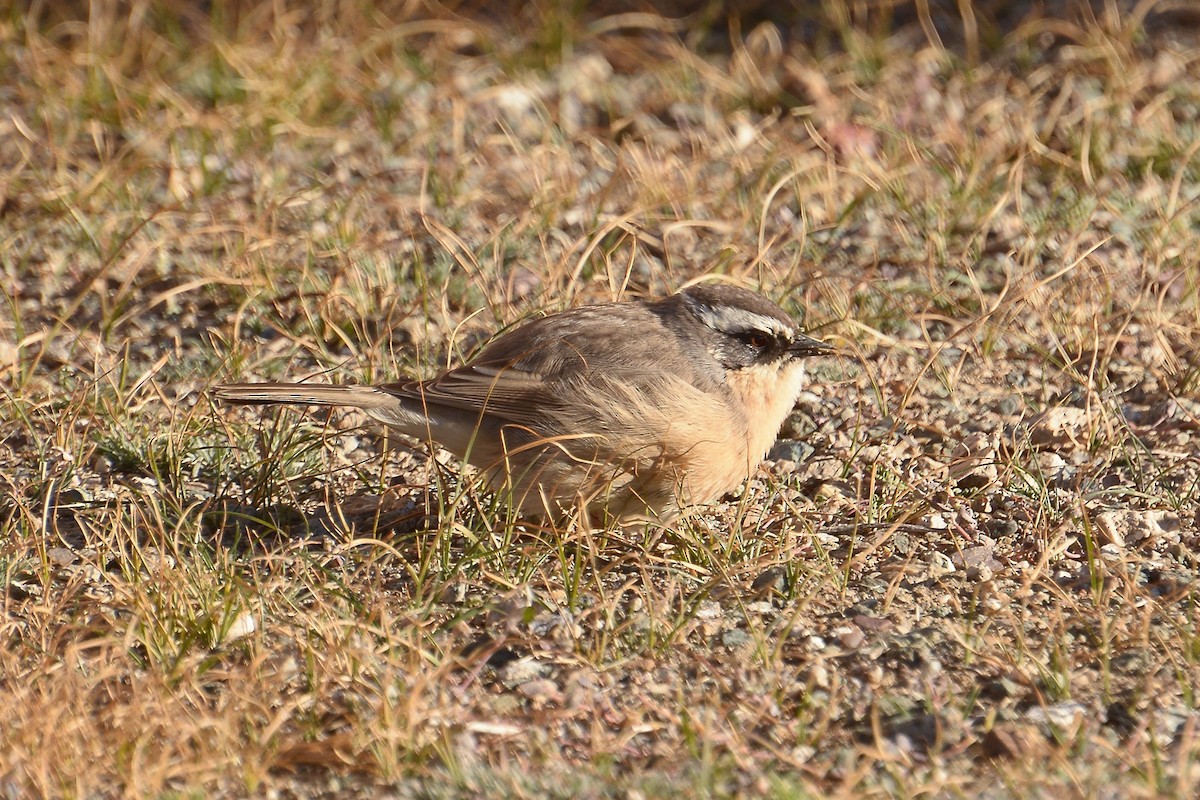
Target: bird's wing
526	372
507	394
524	377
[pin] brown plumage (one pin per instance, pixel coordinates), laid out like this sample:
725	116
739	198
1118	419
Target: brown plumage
634	410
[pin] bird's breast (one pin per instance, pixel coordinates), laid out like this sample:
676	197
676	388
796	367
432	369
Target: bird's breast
767	394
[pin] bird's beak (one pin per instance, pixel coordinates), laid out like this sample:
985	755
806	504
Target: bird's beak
807	346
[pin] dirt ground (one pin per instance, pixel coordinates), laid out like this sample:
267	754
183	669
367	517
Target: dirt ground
966	570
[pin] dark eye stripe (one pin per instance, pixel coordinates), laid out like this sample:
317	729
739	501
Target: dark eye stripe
759	340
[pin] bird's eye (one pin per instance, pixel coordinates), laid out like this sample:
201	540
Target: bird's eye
758	341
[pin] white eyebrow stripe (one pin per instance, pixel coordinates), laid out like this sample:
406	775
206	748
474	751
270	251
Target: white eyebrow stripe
728	319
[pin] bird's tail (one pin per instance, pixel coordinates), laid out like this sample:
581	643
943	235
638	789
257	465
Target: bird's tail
305	394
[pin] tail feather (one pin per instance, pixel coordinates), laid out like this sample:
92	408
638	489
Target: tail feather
304	394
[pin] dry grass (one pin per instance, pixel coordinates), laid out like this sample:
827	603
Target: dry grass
994	207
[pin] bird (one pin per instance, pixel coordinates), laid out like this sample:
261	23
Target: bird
632	411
